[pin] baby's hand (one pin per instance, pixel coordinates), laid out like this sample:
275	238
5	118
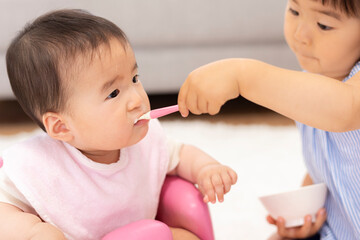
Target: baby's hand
307	230
214	180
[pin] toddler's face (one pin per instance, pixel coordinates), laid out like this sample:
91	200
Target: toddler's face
106	97
324	40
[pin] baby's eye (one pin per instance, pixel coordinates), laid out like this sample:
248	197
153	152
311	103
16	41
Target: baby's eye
135	78
113	94
324	27
294	12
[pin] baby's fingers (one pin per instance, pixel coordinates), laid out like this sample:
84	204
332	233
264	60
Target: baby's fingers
227	181
208	191
233	176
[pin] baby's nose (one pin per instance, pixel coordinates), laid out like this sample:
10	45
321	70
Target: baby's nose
135	100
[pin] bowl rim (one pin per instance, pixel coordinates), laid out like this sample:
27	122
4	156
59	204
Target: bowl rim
316	185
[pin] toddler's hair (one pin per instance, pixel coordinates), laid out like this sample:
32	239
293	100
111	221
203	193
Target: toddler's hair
350	7
41	55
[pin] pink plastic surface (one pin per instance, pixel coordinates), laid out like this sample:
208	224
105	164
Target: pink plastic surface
1	162
181	205
143	229
156	113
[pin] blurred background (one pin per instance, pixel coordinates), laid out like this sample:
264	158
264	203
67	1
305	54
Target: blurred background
170	38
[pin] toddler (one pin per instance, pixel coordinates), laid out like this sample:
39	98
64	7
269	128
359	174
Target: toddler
94	169
324	100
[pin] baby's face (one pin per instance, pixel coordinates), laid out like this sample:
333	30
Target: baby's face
106	97
324	40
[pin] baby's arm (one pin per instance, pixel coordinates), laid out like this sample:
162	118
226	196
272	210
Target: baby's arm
16	224
213	179
312	99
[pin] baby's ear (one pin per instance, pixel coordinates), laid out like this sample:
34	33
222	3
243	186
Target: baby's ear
56	127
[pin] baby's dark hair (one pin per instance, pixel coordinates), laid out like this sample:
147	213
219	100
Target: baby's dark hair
38	58
350	7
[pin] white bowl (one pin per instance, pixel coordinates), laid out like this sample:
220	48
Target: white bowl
294	205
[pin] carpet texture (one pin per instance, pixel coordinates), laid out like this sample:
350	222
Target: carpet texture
267	160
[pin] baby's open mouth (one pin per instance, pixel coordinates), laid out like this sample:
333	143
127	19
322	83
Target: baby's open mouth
142	117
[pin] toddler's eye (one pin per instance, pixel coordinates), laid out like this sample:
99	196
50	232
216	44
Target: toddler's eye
293	12
324	27
113	94
135	78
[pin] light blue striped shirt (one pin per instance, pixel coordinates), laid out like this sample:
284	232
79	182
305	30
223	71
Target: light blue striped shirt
334	158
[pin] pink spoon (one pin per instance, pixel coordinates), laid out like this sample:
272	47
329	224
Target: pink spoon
160	112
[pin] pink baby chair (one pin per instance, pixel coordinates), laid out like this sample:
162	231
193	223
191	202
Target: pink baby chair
181	205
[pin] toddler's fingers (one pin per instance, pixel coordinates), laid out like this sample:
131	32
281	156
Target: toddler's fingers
206	199
295	232
282	230
270	220
305	229
320	219
280	223
214	108
219	187
182	100
202	105
192	103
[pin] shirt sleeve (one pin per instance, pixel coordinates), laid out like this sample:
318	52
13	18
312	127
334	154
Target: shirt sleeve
174	149
11	195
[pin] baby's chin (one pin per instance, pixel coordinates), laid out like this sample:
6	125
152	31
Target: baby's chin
140	136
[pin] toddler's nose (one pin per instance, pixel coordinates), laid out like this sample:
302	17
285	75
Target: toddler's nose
302	34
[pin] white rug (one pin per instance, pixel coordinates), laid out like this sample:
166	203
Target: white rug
266	159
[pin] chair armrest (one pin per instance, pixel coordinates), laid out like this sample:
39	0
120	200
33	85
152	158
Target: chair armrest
181	205
140	230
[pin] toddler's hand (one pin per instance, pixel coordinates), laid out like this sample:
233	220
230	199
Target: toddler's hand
307	230
215	180
207	88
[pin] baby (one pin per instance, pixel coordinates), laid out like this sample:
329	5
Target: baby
93	170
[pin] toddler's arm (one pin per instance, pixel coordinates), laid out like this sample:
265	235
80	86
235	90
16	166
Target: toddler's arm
18	225
312	99
213	179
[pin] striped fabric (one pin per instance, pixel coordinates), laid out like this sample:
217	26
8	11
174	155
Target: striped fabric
334	158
